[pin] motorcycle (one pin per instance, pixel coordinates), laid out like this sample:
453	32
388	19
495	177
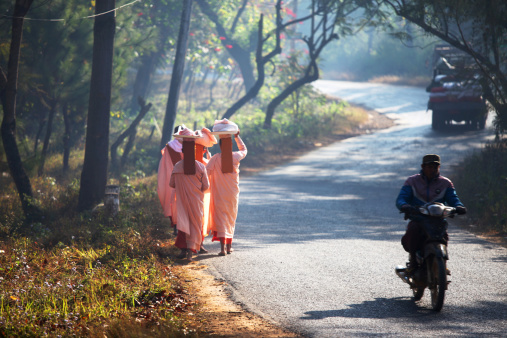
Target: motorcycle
432	270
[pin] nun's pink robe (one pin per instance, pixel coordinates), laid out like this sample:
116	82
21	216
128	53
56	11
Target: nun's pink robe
208	140
224	193
190	202
166	194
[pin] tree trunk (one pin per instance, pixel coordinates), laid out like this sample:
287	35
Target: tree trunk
143	78
131	133
49	130
128	147
260	76
66	138
94	174
240	55
8	128
309	77
178	67
42	122
316	44
261	62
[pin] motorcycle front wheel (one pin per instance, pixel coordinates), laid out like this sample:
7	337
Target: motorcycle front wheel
418	293
438	282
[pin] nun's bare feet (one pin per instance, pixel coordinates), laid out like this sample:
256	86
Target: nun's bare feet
189	255
229	248
182	254
221	253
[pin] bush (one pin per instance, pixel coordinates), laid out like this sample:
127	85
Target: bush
482	182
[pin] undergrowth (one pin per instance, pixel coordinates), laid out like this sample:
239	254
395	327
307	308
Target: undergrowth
482	182
88	274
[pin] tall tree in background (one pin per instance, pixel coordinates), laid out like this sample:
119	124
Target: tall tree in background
326	17
476	27
8	92
94	174
177	74
261	61
241	55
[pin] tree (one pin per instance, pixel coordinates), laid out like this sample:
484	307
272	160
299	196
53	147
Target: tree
130	132
261	62
57	65
240	54
8	90
324	18
176	78
94	174
476	27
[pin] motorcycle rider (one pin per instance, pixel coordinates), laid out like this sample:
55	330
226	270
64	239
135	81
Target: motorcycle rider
425	187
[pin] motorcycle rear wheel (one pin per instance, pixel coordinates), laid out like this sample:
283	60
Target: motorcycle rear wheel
438	282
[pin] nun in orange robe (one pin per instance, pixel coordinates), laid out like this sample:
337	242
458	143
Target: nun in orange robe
202	155
190	180
223	173
171	154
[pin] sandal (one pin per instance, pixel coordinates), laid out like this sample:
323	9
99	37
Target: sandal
221	253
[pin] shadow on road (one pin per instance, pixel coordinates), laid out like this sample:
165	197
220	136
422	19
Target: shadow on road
379	308
404	307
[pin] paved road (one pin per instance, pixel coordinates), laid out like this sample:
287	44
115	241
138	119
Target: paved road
317	239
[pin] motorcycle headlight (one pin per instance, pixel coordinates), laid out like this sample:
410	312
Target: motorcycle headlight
436	210
423	211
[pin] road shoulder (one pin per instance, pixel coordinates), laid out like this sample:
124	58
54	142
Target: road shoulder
219	314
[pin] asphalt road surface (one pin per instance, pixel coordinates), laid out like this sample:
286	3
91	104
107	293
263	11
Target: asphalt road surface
317	239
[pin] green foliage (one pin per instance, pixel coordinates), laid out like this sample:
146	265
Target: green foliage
481	182
373	53
297	126
477	28
89	274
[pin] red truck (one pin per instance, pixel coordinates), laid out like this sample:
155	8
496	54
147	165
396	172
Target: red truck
455	94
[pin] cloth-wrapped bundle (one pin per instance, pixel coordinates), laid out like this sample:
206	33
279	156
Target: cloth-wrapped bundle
207	140
225	127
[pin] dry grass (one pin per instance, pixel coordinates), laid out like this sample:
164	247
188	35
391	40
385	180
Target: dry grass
416	81
88	274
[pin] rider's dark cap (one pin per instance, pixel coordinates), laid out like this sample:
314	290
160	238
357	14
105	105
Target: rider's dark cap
431	158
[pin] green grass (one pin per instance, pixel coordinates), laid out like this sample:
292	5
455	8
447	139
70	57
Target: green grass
87	274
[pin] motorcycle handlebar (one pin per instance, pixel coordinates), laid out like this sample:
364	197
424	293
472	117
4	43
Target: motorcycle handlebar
414	211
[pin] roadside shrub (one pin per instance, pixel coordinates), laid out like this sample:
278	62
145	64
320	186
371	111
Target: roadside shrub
89	274
482	182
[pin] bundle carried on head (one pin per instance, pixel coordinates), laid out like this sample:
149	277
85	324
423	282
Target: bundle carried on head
189	137
186	133
207	140
225	127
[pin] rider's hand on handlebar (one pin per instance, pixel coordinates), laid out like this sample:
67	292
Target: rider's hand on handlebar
408	209
461	210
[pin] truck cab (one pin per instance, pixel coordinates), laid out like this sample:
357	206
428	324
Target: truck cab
455	95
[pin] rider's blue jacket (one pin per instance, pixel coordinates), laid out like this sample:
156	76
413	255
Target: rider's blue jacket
419	190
